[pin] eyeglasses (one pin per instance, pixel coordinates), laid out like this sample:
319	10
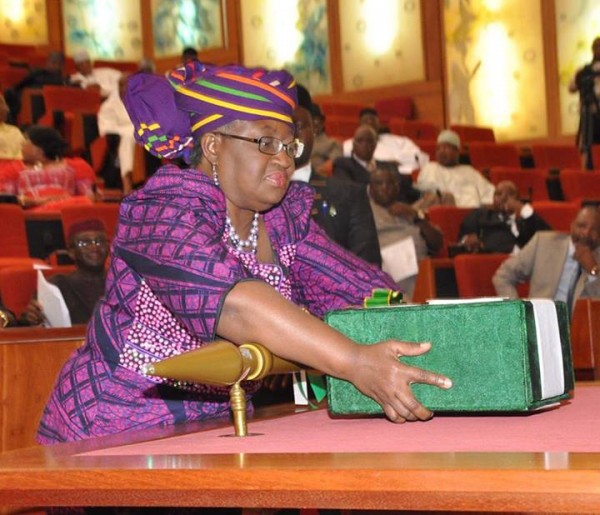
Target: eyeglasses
270	145
96	242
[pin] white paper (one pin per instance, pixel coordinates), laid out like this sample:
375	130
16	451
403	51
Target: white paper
465	301
400	259
53	303
549	347
300	388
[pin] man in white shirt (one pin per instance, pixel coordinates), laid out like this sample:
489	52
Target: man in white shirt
446	176
390	147
112	116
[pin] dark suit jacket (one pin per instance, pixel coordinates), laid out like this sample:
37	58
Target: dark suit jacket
495	233
342	209
349	169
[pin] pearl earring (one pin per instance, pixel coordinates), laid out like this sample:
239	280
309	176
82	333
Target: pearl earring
215	174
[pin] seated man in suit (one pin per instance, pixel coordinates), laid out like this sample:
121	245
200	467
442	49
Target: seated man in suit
400	150
396	221
505	226
558	266
340	208
447	175
81	289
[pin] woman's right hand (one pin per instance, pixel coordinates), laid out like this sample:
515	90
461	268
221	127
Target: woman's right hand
379	374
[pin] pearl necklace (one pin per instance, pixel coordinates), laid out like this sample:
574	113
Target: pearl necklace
248	245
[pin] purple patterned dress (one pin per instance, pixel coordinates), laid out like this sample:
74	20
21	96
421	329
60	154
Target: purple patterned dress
171	269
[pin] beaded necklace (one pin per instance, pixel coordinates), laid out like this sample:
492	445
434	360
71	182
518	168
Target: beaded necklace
249	245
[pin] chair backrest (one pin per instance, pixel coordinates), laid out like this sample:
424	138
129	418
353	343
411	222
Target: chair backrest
341	125
530	181
469	133
107	212
448	219
580	185
11	75
349	109
395	107
414	129
474	274
555	156
18	284
63	98
559	215
484	155
428	146
13	239
596	156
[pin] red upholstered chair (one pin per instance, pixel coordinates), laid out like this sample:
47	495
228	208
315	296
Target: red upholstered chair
474	274
395	107
349	109
414	129
448	219
469	133
559	215
18	284
483	155
107	212
11	75
428	146
13	238
530	181
341	125
596	156
555	156
578	185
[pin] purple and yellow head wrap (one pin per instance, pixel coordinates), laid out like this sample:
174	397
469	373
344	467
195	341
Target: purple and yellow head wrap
168	113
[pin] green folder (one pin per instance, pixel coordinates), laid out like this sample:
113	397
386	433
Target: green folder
502	356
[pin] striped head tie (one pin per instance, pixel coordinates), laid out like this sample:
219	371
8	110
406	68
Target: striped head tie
170	113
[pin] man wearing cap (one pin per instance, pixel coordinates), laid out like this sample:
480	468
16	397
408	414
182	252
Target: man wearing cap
81	289
446	175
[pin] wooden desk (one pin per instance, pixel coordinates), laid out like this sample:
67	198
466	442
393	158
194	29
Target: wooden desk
325	467
30	359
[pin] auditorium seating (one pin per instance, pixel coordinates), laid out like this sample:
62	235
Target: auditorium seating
341	126
596	156
530	181
347	109
394	107
483	155
18	284
414	129
555	156
559	215
469	133
448	219
580	185
13	239
585	339
474	274
427	146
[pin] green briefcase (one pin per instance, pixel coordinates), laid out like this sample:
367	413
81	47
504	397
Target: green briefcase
502	356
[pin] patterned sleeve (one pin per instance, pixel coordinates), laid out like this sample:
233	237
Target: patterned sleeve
328	276
178	254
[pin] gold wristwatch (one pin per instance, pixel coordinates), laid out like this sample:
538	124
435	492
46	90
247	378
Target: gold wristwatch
4	320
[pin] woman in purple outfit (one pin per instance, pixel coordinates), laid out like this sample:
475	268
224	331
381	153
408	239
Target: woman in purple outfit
224	249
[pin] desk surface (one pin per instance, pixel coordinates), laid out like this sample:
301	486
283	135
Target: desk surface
122	470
